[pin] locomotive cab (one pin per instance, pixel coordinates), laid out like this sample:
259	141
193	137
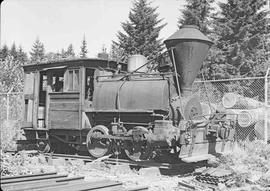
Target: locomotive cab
57	97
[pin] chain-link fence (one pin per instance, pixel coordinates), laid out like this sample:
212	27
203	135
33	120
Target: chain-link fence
244	100
11	118
11	106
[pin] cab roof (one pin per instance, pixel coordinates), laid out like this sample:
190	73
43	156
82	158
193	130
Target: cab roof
73	63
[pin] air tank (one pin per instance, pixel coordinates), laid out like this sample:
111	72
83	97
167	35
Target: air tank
190	47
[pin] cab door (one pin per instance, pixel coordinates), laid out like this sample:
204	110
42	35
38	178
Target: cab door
31	98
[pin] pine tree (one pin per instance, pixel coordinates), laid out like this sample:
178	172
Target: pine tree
11	75
141	32
242	30
116	53
197	12
63	54
51	57
38	51
83	53
21	55
70	51
4	52
13	51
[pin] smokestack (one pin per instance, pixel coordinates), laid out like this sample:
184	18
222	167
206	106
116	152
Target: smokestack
190	47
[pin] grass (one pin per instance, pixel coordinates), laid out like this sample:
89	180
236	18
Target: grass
250	162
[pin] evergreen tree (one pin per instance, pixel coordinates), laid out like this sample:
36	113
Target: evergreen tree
51	56
21	55
83	53
38	51
70	51
11	75
63	54
243	43
13	51
116	53
141	31
197	12
4	52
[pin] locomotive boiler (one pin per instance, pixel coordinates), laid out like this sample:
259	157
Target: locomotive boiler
152	113
141	114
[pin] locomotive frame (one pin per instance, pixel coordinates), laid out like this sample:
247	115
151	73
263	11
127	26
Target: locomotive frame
96	105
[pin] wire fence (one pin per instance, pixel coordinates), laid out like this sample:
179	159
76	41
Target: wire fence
11	118
11	106
245	100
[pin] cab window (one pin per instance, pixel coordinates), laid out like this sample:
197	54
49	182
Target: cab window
89	85
72	80
57	81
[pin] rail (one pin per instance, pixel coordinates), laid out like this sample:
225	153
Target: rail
59	182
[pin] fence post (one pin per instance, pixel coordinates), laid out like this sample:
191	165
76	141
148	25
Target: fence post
7	106
8	94
266	105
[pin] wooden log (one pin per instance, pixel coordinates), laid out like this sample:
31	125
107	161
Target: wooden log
236	101
252	116
247	118
259	129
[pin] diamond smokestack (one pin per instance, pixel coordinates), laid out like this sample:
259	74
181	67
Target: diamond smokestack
190	47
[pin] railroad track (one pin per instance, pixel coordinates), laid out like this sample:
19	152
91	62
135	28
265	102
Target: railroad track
165	168
59	182
162	166
179	169
113	161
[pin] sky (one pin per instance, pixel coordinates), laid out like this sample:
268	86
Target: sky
57	23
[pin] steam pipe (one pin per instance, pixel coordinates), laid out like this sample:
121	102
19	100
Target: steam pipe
177	81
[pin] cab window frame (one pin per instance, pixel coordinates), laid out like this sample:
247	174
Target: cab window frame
72	80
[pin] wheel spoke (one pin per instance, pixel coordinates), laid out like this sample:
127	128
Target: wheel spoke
98	147
43	146
137	151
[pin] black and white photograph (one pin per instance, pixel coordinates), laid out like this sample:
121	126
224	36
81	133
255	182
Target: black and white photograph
129	95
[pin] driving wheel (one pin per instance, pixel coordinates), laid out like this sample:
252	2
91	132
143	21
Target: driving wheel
43	146
138	149
97	144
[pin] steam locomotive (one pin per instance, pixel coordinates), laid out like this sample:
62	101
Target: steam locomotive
107	107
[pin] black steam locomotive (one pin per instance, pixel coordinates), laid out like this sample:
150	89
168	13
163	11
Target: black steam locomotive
106	107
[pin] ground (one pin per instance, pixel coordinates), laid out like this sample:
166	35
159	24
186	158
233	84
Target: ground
249	162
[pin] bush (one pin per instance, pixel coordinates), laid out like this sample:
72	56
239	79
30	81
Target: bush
10	132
